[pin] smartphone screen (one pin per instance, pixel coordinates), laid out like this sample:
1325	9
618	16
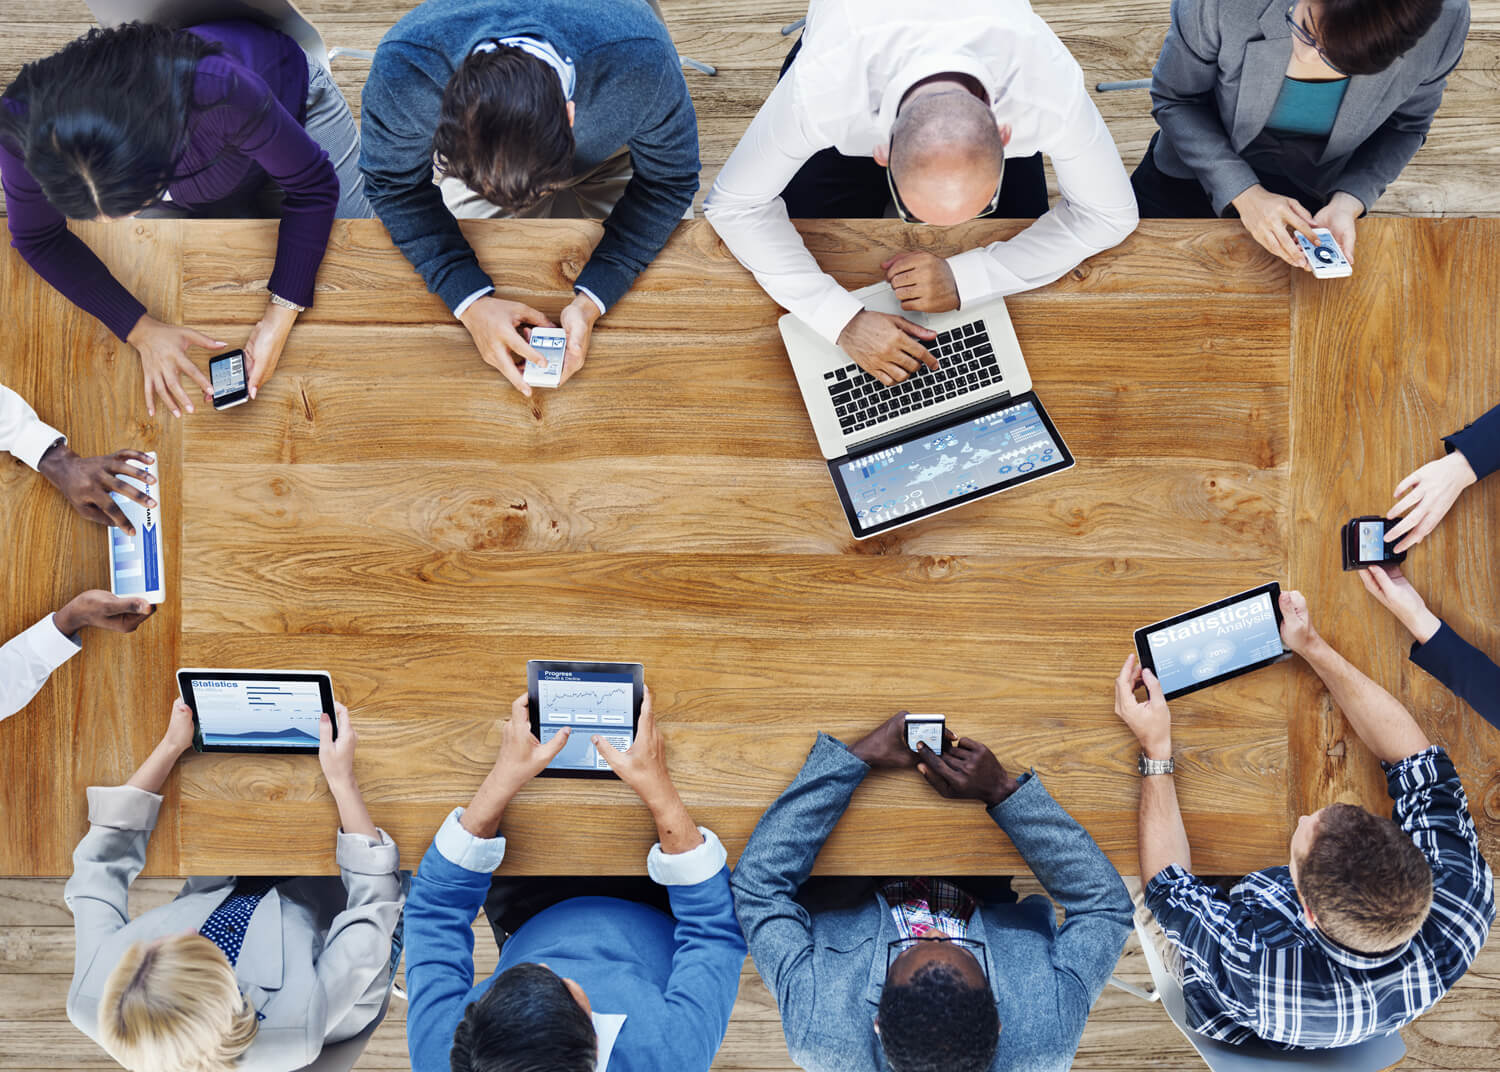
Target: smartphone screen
226	374
925	729
1371	541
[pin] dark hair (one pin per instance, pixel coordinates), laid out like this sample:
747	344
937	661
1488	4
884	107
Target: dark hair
103	123
1367	36
1368	885
527	1021
503	130
937	1022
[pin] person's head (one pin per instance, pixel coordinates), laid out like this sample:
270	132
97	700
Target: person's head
946	154
529	1020
1363	881
936	1011
173	1005
505	129
103	124
1364	36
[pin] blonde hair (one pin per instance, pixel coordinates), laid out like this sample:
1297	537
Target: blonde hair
173	1005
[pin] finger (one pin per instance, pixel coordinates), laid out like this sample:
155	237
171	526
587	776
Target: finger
1290	251
903	360
520	346
519	709
942	787
1153	686
174	387
325	733
899	262
341	717
197	374
1411	499
940	765
915	330
130	491
115	516
1405	525
1367	578
1300	215
512	372
1410	481
534	317
921	353
150	397
197	338
121	457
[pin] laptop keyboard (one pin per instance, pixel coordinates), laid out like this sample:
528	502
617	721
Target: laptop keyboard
966	362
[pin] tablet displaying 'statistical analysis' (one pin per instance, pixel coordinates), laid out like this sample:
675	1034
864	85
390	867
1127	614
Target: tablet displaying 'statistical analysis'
932	470
1214	643
588	699
255	711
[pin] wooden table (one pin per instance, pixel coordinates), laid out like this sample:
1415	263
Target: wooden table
391	511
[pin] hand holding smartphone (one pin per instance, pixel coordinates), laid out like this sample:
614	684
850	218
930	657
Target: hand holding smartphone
1364	544
925	729
551	343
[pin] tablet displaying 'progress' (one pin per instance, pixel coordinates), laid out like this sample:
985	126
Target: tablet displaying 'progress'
1214	643
588	699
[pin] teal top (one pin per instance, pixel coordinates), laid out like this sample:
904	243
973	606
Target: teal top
1307	108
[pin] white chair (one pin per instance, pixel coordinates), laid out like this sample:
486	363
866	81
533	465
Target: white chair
684	60
1371	1055
279	14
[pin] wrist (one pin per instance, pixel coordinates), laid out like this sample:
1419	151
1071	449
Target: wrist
1423	625
1002	792
1462	468
344	789
585	307
279	318
67	620
1157	748
143	326
54	462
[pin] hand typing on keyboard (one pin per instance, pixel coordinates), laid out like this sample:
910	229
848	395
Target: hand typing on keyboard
886	346
924	283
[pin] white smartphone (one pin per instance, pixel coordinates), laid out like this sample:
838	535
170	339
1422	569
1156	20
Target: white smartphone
551	343
1325	259
925	729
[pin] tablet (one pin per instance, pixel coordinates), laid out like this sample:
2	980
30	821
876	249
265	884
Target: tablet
1214	643
137	564
589	699
922	471
256	710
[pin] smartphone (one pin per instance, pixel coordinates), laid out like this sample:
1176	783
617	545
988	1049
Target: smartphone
226	374
1325	258
925	729
551	343
1364	543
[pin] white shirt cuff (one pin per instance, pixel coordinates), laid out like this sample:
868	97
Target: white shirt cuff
463	306
51	644
463	849
591	296
834	313
969	276
687	868
34	441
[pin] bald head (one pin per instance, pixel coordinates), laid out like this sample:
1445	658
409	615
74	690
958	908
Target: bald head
946	156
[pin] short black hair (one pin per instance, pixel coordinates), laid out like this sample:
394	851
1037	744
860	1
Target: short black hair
937	1022
527	1021
503	130
1367	36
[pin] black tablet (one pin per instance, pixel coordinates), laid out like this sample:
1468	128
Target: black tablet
256	710
588	699
1214	643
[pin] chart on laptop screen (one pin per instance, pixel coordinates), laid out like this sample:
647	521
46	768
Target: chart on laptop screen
262	714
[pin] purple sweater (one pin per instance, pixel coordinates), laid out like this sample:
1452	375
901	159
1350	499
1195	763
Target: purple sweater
257	63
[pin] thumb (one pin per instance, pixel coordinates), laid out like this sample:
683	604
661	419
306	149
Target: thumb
610	753
325	733
556	745
1153	686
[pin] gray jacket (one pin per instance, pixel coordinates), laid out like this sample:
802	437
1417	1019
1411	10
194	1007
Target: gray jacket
827	970
316	961
1220	73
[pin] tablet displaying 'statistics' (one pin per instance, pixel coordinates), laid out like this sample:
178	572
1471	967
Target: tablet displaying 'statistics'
588	699
256	711
1213	643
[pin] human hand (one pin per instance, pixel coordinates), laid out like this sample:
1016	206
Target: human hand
886	346
522	757
923	282
1271	219
1297	631
87	482
884	747
336	754
1395	593
1151	721
164	360
966	770
263	347
179	735
644	766
495	324
577	320
1339	216
1430	493
102	610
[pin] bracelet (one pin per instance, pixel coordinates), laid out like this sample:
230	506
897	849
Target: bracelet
277	299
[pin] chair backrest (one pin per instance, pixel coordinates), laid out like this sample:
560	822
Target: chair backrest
1371	1055
279	14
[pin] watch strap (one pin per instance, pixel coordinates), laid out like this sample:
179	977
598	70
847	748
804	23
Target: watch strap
1155	766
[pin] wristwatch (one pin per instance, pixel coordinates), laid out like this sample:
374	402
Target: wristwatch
277	299
1154	766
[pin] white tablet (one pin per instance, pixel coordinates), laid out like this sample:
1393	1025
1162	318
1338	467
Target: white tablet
257	710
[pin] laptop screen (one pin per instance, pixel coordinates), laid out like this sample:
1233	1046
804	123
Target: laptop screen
946	463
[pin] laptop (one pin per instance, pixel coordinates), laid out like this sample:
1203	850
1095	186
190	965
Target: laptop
936	440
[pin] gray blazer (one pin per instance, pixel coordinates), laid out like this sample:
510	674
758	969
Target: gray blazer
828	970
316	962
1218	78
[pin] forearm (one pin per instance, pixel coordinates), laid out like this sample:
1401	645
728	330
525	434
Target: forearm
354	817
1464	669
1163	838
675	828
482	817
1383	724
152	774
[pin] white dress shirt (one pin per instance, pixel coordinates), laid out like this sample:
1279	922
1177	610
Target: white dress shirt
20	432
858	59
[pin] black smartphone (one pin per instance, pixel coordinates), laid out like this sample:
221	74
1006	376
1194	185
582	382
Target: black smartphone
226	374
925	729
1364	543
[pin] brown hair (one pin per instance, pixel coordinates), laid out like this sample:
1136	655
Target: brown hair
503	130
1364	880
1367	36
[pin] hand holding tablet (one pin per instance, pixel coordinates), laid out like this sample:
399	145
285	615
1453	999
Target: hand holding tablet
596	701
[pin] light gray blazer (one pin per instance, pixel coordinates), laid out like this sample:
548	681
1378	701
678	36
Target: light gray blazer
1220	72
317	955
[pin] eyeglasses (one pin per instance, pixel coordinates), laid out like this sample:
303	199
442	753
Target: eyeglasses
906	213
968	945
1303	34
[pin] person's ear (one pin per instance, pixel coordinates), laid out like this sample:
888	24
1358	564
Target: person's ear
876	1023
882	154
572	111
1004	129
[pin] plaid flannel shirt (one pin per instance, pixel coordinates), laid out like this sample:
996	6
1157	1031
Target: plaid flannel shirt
1252	965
